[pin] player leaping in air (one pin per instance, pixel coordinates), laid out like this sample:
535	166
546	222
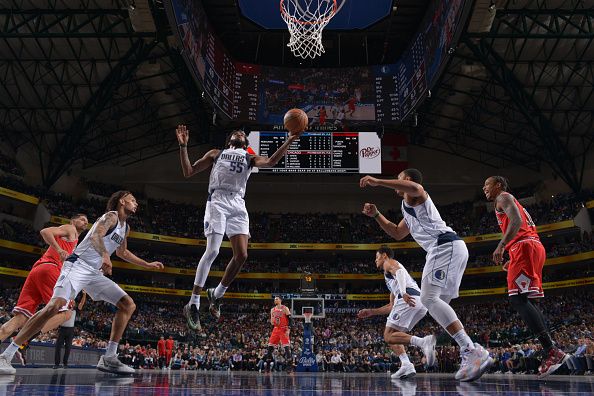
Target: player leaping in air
225	210
445	262
524	268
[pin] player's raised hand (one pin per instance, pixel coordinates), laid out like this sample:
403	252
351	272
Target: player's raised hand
368	181
369	209
364	313
182	133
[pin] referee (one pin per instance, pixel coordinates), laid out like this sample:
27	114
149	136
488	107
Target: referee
66	334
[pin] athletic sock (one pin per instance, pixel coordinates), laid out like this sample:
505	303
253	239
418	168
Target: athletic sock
220	291
10	351
112	348
463	340
195	300
404	358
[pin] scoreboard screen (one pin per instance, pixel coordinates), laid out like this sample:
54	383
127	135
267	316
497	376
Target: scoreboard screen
321	152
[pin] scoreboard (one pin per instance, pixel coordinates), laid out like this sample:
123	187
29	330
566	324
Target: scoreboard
355	96
321	152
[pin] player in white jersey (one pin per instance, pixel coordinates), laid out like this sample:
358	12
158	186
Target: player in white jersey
445	262
404	311
225	210
86	269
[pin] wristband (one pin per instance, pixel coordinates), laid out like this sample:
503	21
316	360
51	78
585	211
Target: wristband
183	145
376	214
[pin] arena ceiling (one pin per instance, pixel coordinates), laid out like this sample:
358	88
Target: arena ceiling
102	79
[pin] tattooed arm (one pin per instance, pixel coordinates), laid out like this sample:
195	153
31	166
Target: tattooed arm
104	223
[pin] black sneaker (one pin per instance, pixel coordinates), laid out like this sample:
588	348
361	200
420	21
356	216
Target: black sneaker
215	304
56	366
192	317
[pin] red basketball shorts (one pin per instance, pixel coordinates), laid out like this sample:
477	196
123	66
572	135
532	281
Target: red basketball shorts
279	336
38	288
524	273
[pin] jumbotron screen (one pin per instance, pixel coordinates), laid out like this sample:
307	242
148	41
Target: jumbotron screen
353	96
321	152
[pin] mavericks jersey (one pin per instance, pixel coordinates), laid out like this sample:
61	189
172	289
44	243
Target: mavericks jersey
230	171
87	253
527	228
279	317
425	223
392	282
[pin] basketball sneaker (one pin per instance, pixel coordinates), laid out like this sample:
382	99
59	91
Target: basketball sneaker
5	366
192	316
215	303
111	364
554	359
406	370
474	364
429	350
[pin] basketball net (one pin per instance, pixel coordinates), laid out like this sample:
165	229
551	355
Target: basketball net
306	19
307	316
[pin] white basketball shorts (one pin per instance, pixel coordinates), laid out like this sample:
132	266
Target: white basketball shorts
445	265
78	275
226	214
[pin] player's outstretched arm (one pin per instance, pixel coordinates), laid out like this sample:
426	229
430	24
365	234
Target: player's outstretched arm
123	253
506	203
202	164
408	187
383	310
50	234
397	232
268	162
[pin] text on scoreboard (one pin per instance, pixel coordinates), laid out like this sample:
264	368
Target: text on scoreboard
321	152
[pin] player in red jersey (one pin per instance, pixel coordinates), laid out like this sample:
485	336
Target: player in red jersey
39	285
524	268
280	318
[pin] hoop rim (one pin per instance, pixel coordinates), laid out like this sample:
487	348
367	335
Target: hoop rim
318	22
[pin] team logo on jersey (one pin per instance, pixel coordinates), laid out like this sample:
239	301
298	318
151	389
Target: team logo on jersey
395	317
439	274
206	224
117	238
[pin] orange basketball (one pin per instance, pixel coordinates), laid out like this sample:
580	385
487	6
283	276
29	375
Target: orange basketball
295	121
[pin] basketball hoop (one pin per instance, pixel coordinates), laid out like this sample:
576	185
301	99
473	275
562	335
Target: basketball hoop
306	19
307	316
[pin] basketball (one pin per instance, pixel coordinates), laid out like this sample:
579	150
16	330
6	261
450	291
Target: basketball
295	121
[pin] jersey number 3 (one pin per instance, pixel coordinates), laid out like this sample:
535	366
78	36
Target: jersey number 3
236	167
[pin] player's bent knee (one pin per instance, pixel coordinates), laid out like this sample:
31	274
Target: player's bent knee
127	304
54	306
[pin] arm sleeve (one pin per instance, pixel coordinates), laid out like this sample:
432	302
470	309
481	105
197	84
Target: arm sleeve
401	278
290	319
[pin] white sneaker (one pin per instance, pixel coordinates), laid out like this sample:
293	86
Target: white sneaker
407	370
429	350
461	373
113	365
478	362
5	366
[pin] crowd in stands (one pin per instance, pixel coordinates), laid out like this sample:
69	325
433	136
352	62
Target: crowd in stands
283	263
342	342
185	220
